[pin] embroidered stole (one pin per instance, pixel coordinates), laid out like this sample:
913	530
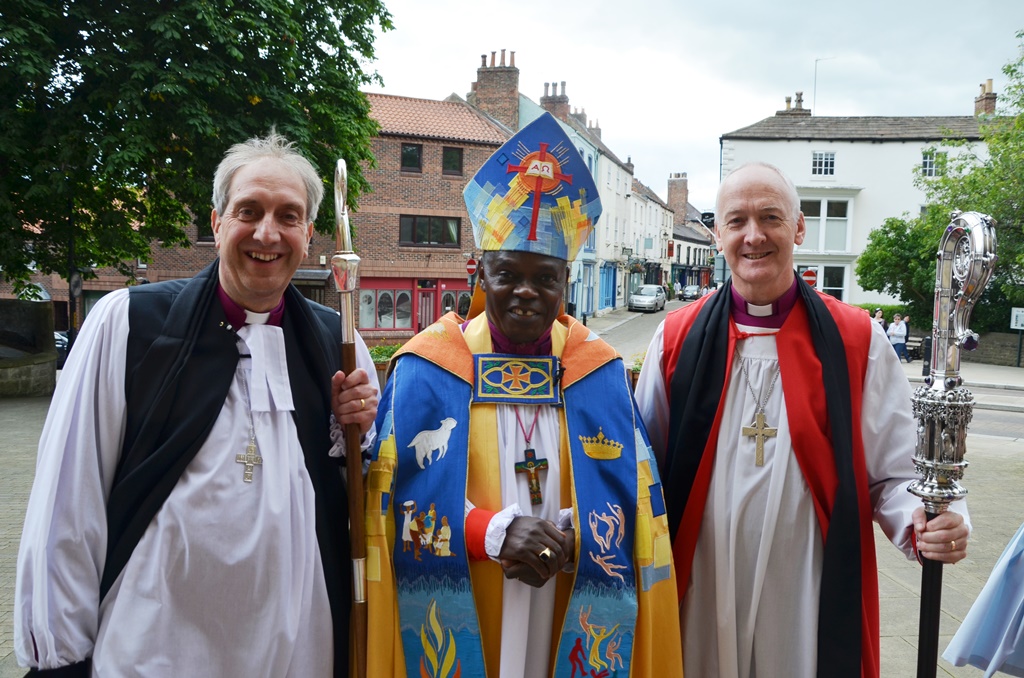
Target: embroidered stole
424	466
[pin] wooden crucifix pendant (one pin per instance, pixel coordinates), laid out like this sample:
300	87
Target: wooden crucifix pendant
760	432
250	459
531	467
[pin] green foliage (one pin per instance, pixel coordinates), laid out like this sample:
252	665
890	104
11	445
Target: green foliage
115	115
899	260
383	352
900	256
638	361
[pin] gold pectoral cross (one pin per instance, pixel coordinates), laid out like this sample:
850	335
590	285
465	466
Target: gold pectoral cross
531	467
250	459
759	431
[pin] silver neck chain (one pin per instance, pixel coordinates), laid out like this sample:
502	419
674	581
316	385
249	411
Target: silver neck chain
760	403
248	407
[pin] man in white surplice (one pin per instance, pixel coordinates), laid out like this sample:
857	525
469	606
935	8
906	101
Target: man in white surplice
745	435
187	515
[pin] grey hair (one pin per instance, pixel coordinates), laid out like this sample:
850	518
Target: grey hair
790	186
272	146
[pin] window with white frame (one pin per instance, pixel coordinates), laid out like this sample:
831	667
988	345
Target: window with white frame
931	163
827	224
823	163
833	281
385	309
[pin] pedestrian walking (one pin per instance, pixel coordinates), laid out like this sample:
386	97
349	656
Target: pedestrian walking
897	334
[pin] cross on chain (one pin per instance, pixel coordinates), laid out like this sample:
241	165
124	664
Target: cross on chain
760	432
250	459
531	466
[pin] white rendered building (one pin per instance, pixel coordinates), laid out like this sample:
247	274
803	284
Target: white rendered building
852	173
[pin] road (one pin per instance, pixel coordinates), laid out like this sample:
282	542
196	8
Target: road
631	339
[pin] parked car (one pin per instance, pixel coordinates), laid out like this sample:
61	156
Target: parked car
647	298
691	292
60	342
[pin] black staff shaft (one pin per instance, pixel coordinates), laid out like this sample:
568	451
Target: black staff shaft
931	607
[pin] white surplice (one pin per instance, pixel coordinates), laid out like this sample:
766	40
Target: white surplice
751	606
227	579
528	612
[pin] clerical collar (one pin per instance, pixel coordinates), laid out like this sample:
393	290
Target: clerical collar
239	316
771	315
502	344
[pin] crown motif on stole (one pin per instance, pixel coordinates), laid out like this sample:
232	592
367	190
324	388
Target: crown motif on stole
600	447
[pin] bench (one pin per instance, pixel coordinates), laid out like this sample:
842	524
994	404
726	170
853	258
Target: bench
914	346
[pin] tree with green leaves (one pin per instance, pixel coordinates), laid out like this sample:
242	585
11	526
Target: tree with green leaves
116	113
900	256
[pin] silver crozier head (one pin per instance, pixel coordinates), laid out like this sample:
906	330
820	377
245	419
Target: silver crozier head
345	262
943	407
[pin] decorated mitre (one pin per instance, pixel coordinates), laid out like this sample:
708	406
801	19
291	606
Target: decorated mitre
535	194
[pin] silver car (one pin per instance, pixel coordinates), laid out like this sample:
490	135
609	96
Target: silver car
647	298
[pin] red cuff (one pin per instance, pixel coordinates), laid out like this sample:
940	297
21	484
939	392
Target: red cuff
476	531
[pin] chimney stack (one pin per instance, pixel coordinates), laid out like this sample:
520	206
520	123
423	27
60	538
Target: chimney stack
678	196
556	104
496	90
799	110
985	104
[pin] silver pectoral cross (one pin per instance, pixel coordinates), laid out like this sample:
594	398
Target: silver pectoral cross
759	431
251	459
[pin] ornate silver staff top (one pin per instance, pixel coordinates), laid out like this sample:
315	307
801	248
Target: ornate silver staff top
345	262
943	407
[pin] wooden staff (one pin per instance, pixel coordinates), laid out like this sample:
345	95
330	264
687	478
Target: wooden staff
943	407
345	265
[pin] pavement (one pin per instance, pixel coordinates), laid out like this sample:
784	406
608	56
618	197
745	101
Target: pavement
1008	380
993	479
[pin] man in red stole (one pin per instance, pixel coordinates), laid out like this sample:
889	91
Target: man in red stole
782	424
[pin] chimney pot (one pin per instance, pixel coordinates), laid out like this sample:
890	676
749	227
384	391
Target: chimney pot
789	103
546	88
492	59
512	57
985	103
502	58
483	61
799	100
563	88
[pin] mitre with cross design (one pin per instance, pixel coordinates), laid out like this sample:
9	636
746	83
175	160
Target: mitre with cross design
535	194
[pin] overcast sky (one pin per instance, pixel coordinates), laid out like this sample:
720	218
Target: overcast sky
666	78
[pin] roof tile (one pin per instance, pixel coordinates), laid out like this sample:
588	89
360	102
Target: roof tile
430	119
864	128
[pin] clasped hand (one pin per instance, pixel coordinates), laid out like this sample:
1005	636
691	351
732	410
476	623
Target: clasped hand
525	540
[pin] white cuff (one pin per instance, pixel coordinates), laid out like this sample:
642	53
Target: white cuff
338	439
564	519
494	538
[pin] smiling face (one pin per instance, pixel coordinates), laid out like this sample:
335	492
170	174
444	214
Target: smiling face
263	234
757	226
524	292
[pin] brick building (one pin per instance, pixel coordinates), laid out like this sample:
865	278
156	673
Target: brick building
413	234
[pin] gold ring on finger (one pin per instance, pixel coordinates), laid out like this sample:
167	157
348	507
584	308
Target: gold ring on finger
952	545
362	403
546	554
